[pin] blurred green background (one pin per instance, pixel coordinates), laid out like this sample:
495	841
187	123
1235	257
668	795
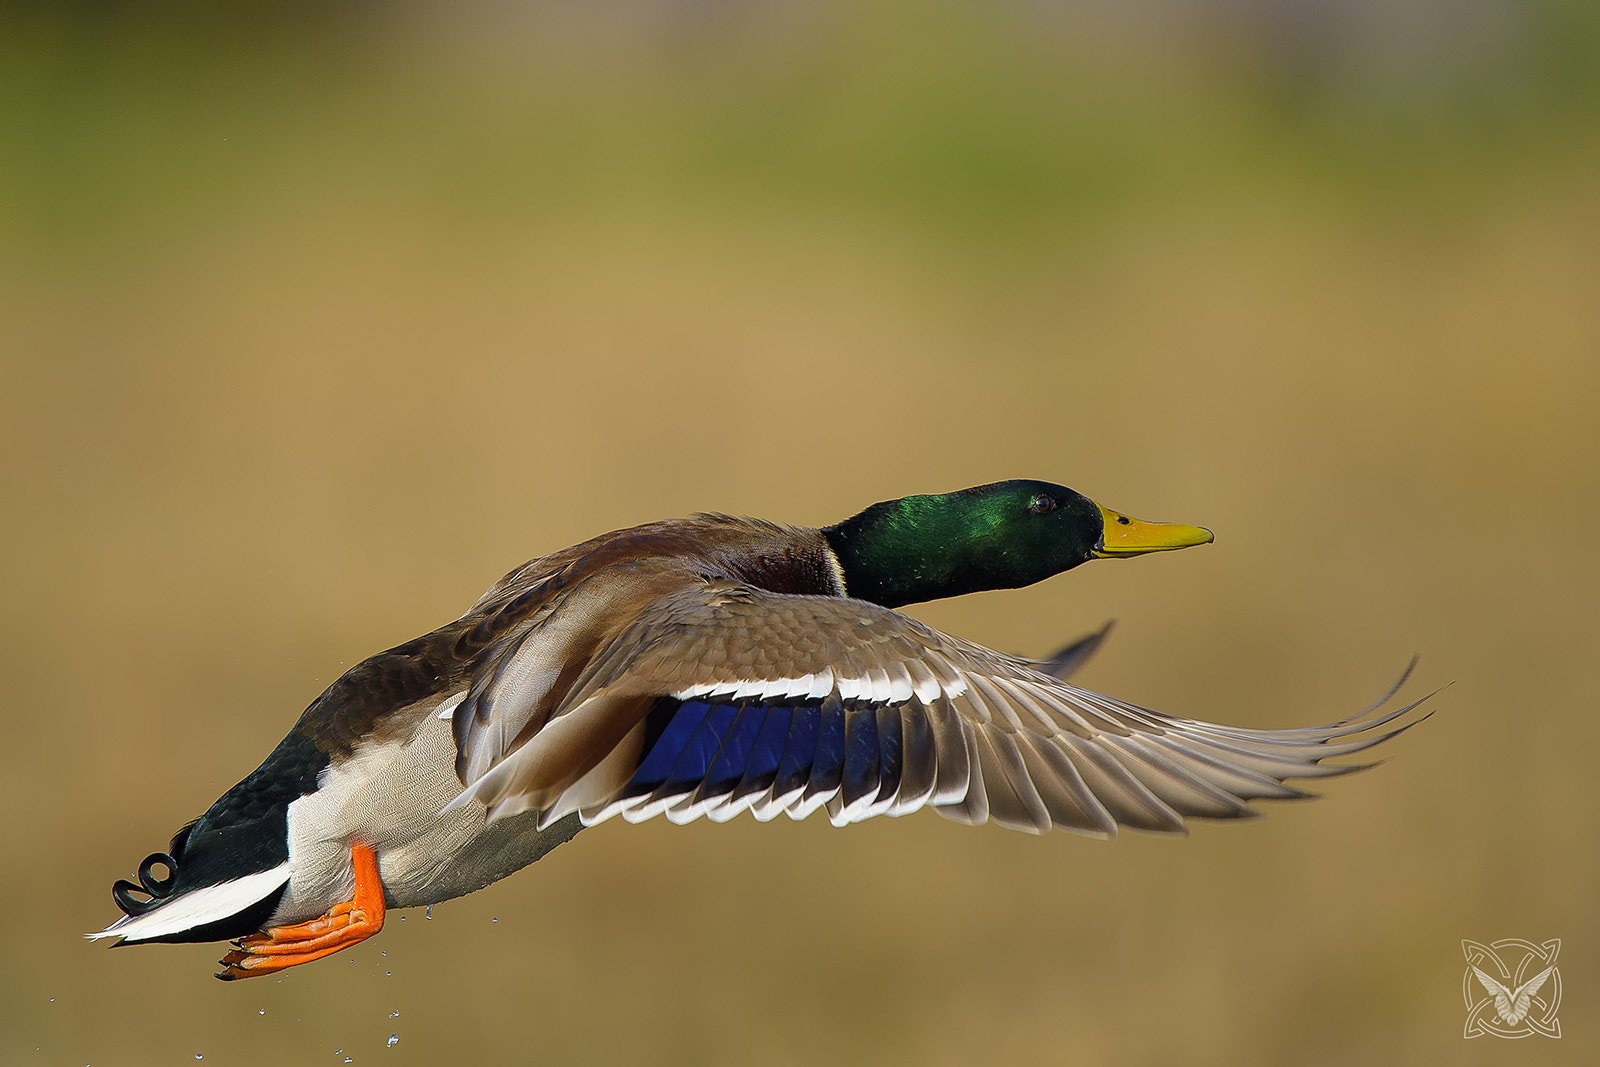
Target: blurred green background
315	320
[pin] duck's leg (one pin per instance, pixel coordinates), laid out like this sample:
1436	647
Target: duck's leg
285	946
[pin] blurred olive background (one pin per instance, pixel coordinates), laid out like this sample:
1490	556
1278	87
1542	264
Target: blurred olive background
314	322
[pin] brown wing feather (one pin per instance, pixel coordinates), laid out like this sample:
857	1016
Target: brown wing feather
540	631
516	693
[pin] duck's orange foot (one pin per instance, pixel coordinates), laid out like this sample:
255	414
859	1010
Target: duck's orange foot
285	946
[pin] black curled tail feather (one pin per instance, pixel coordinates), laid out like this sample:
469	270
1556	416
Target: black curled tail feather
156	890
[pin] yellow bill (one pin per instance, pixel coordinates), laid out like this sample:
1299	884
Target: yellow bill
1125	536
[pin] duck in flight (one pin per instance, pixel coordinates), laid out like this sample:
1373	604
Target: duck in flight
703	667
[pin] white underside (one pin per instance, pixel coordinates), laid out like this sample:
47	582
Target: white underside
387	797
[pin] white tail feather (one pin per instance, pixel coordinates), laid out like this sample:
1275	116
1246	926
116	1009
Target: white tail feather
205	905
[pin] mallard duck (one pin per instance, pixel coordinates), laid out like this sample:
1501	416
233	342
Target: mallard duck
702	667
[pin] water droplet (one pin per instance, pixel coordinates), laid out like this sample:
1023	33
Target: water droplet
338	1052
388	974
402	918
494	920
383	953
199	1055
393	1040
394	1015
349	1059
428	912
261	1011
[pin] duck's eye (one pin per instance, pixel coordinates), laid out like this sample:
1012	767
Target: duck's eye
1042	504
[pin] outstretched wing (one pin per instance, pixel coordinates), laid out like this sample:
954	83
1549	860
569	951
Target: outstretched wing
1501	995
1066	661
724	698
1522	998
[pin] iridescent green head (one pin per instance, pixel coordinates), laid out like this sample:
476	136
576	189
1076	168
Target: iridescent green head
997	536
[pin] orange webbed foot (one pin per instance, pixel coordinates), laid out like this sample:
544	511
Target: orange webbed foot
345	924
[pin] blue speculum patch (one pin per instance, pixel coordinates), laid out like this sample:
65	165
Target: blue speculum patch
736	748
